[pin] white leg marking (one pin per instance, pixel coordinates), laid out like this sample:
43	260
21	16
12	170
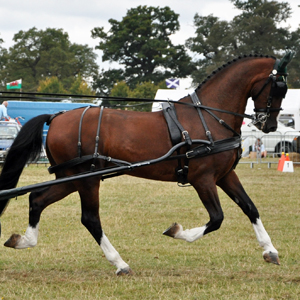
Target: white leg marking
112	254
263	237
28	240
190	235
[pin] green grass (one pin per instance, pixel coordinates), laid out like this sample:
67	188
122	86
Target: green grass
226	264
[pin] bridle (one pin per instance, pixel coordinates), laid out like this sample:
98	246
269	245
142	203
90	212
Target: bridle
278	79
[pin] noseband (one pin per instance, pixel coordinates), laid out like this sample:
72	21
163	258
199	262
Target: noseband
278	89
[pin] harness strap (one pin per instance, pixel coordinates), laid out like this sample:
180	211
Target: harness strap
54	116
79	131
173	128
221	145
222	122
80	160
97	138
176	131
170	110
197	102
261	90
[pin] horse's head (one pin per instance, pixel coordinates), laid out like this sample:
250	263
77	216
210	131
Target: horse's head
268	94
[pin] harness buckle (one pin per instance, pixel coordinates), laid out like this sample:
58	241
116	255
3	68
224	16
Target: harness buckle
185	134
190	154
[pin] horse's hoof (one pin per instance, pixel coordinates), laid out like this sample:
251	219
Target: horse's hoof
12	241
124	272
271	257
172	230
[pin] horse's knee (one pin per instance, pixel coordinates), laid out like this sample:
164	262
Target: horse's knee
214	223
85	221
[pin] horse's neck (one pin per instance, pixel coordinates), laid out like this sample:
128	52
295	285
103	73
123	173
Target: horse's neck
229	95
232	97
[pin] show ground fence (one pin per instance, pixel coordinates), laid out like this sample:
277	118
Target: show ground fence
274	143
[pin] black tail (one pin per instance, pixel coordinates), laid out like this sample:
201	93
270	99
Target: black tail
26	146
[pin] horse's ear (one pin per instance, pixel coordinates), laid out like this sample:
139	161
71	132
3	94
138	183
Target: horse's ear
284	62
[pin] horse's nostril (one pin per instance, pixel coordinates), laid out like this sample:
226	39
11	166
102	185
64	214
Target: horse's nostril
272	129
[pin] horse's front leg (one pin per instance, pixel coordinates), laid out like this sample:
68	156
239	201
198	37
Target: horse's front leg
234	189
89	195
38	201
209	197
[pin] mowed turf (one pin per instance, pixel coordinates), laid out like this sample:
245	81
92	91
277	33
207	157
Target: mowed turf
226	264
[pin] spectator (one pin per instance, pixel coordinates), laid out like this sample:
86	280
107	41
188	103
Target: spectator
260	148
3	111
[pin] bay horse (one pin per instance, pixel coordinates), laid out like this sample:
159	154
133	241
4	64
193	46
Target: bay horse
213	113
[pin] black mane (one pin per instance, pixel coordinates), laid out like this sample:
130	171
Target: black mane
229	63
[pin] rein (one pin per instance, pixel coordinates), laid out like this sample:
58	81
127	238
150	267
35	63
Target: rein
146	100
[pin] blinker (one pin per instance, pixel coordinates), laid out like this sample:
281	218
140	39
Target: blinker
280	89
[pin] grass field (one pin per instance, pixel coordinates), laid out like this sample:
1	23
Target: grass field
226	264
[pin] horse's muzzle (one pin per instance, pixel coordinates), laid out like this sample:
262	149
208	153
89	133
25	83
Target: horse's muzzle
270	128
266	125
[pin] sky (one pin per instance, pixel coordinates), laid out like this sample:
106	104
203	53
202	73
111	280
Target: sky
79	17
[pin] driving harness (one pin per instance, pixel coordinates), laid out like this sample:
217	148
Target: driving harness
178	133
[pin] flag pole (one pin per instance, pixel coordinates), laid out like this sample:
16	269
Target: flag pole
21	91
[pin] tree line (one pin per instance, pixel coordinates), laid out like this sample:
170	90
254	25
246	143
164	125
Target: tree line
141	44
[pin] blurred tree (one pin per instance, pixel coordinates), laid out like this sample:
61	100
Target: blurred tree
104	82
81	87
141	44
146	90
143	90
256	30
51	85
3	63
38	55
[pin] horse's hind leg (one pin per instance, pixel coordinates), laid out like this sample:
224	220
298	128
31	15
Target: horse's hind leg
209	197
89	194
234	189
38	201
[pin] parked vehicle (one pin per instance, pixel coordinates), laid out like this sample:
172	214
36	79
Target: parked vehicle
290	115
8	132
285	139
30	109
